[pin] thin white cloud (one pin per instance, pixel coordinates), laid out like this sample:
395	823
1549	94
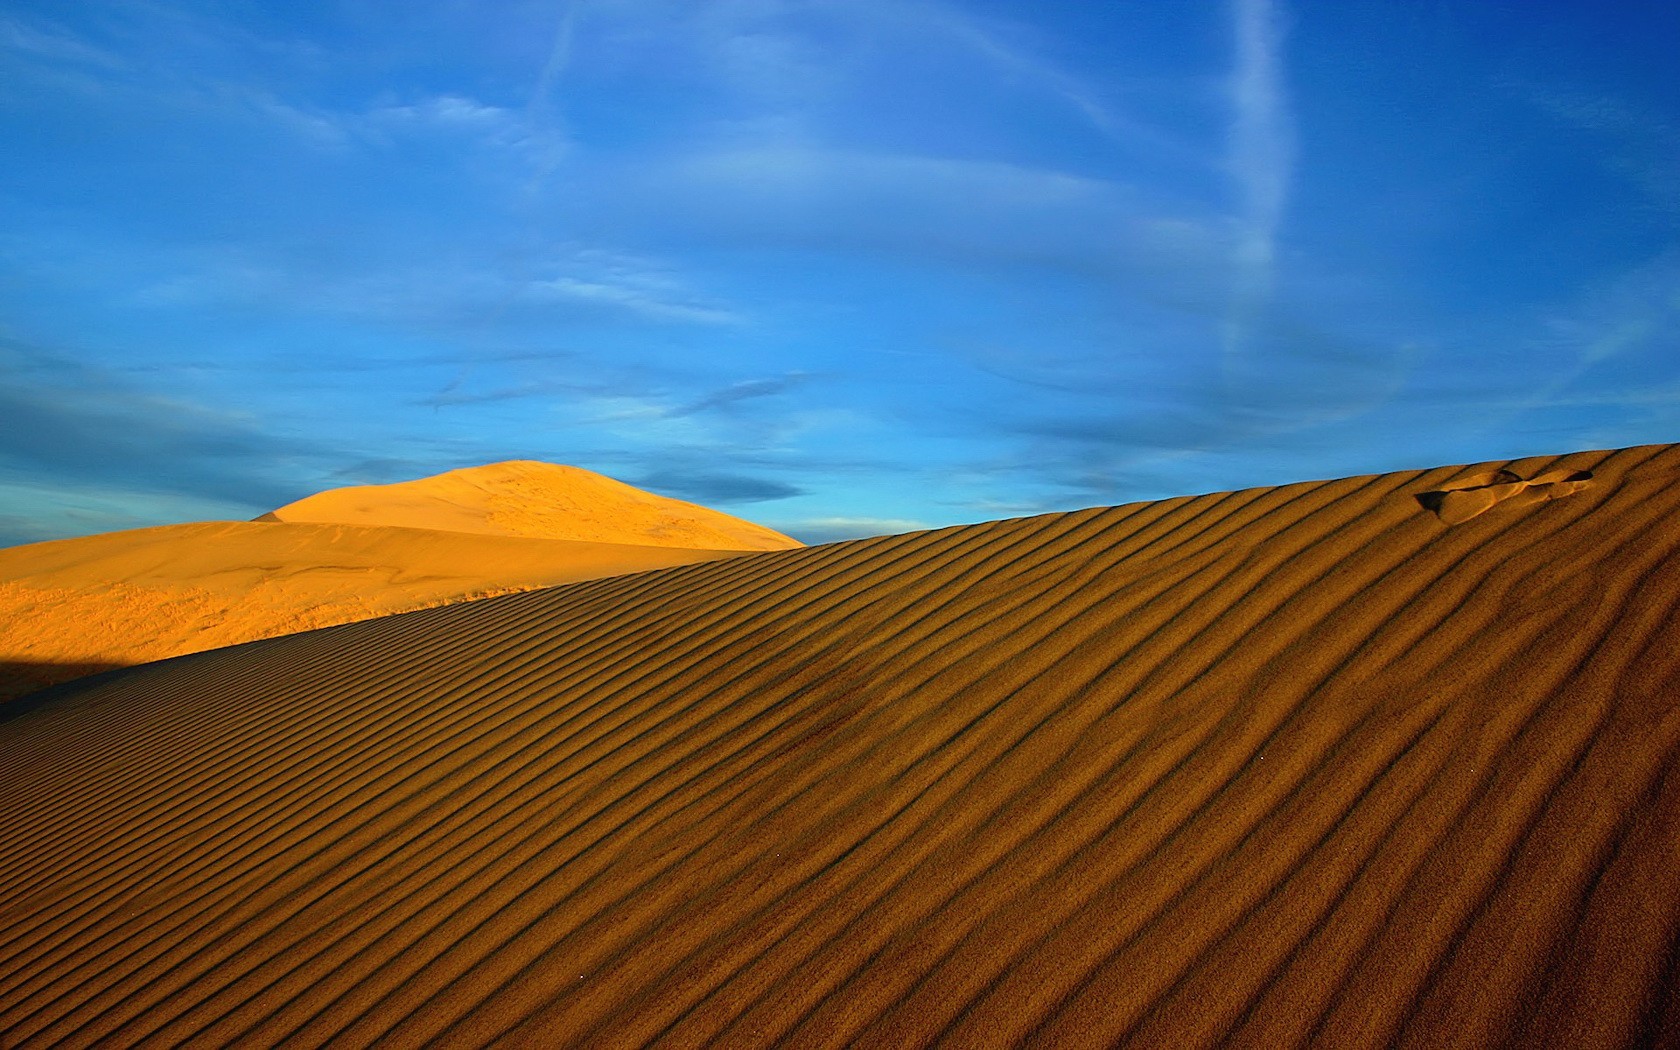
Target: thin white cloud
856	199
1594	370
745	390
458	118
832	530
52	44
1635	312
630	297
546	130
266	93
795	57
58	59
559	57
448	110
1261	157
596	277
805	177
1643	147
1030	67
325	128
61	508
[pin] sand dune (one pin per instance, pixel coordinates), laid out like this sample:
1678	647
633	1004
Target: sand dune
528	498
1287	766
69	608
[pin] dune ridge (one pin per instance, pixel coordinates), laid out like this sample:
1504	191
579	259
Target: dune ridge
1286	766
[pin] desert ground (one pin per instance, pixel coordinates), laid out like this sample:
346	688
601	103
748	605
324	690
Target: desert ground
1386	760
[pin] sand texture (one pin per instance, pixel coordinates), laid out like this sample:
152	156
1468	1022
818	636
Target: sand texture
1306	765
75	607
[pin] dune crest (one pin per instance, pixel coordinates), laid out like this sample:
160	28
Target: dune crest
1279	767
534	499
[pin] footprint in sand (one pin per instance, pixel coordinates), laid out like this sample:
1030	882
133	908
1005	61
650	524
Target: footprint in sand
1470	496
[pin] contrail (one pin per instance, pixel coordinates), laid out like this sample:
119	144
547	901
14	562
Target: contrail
1261	157
559	56
540	110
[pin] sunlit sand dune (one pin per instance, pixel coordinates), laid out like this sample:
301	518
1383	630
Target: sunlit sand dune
1306	765
74	607
528	498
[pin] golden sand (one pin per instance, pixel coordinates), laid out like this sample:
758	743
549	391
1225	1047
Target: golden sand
1306	765
528	498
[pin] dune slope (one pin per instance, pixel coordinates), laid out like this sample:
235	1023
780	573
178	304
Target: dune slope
1298	765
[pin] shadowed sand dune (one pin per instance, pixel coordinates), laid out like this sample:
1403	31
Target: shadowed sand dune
1299	765
72	607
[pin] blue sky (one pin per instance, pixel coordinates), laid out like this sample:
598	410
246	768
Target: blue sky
842	267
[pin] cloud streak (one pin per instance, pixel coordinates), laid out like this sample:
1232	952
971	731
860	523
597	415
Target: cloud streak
640	298
91	434
833	530
715	487
742	391
1261	157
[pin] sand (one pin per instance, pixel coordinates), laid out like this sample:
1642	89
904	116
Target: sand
74	607
1306	765
529	498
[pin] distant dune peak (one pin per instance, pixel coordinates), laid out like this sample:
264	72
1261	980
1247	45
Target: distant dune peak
523	497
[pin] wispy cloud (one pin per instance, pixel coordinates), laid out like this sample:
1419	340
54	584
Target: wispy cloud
745	390
473	292
460	121
833	530
1643	146
619	282
1613	345
716	487
104	443
990	43
448	110
456	393
559	57
43	42
203	69
725	422
69	506
760	46
323	126
947	212
1261	157
647	299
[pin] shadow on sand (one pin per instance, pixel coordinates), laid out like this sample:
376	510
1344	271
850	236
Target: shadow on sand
26	685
